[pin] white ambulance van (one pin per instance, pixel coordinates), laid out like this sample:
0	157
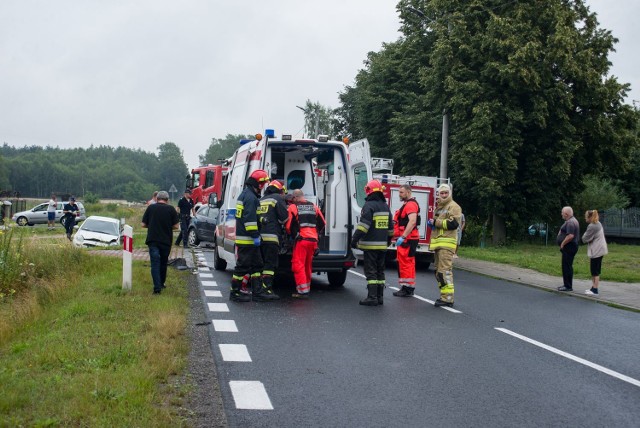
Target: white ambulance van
331	176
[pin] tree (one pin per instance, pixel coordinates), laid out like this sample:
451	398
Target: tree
318	119
222	148
173	168
600	194
526	85
4	175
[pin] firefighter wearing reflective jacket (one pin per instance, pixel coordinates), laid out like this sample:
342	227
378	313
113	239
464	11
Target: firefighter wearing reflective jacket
272	216
248	256
373	236
444	238
304	223
405	221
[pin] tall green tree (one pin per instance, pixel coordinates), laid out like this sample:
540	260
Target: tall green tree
222	148
318	119
173	168
4	175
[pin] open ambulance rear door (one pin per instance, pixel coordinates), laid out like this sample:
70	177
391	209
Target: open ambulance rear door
360	174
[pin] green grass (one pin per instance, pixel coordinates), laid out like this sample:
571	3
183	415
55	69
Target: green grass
93	355
622	264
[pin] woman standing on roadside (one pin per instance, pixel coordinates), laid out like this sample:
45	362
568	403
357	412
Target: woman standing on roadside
596	247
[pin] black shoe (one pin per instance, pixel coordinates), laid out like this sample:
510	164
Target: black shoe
236	296
157	291
563	288
301	296
441	302
265	296
404	292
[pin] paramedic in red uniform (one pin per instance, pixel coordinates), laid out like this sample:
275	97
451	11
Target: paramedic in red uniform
304	223
405	221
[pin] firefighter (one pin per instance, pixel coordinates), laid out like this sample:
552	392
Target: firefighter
405	221
304	223
248	256
272	215
373	236
444	238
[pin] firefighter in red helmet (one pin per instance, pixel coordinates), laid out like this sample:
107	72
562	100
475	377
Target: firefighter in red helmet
304	223
406	221
248	256
272	215
373	235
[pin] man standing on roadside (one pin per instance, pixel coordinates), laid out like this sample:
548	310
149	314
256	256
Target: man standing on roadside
161	219
185	205
70	211
568	241
444	239
51	212
405	221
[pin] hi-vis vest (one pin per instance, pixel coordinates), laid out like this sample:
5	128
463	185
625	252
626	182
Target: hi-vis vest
246	217
441	237
304	220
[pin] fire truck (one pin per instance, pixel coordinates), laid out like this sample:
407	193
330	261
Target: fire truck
423	189
206	180
328	172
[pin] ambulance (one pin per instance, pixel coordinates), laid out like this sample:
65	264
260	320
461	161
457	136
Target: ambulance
423	189
331	175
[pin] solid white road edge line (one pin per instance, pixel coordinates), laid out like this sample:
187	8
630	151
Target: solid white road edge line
234	352
595	366
250	395
455	311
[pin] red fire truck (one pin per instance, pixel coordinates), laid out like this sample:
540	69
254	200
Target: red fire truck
205	180
423	189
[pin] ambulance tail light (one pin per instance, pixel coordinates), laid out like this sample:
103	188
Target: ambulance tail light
349	264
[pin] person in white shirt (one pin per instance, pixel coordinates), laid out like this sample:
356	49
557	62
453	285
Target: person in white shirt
51	212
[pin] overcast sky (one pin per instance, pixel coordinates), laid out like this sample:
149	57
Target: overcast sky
139	73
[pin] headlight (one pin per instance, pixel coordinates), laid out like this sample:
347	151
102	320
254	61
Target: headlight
79	238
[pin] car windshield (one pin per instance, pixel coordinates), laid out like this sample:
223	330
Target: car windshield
100	226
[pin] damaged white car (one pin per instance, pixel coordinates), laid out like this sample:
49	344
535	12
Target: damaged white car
97	231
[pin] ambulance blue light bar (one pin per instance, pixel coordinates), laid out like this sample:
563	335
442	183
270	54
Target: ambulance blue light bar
270	133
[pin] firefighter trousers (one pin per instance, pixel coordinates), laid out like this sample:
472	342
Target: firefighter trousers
301	261
248	263
270	255
406	254
444	273
374	264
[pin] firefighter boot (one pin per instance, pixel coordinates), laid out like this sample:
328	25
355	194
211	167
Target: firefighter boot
262	292
404	292
372	296
446	297
236	295
381	288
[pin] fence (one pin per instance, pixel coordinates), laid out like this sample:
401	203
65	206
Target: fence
621	223
17	205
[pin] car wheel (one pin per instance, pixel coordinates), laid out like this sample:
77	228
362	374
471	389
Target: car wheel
337	279
192	238
218	263
22	221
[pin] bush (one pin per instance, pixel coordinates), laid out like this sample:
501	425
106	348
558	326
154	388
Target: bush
91	198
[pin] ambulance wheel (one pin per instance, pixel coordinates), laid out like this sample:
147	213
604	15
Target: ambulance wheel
218	263
337	279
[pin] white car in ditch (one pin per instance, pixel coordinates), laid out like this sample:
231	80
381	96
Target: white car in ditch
97	231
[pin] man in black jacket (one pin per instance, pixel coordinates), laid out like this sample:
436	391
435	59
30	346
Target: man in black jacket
373	235
272	216
185	205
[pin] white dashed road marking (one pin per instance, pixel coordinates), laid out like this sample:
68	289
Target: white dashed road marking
209	284
212	293
225	325
206	275
204	269
218	307
431	302
234	352
587	363
250	395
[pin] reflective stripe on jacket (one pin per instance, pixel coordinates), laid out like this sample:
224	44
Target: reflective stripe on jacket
247	217
272	215
375	226
441	237
305	220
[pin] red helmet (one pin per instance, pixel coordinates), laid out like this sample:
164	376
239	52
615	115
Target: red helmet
373	186
261	176
277	184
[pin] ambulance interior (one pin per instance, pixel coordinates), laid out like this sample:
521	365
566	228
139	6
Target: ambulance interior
319	171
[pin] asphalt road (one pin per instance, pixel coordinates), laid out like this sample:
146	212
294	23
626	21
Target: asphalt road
510	355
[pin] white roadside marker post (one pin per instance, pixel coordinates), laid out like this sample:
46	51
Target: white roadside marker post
127	256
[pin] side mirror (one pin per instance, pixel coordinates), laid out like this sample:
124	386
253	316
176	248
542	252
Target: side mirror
213	200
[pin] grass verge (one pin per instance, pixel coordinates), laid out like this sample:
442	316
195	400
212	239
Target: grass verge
81	352
622	264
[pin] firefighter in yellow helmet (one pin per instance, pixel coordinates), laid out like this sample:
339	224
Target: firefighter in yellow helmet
444	239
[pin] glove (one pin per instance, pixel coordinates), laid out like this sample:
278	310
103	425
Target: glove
256	241
431	224
354	244
399	241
